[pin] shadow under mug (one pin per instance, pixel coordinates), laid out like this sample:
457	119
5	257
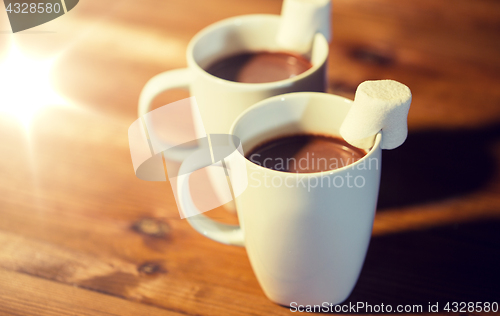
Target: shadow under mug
306	234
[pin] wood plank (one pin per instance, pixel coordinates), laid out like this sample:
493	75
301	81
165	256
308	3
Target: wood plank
53	298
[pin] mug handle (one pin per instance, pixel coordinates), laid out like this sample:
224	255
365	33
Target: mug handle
168	80
223	233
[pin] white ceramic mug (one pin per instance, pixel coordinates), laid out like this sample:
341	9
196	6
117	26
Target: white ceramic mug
221	101
306	234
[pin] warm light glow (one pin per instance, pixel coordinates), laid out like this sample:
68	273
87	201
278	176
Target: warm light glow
25	86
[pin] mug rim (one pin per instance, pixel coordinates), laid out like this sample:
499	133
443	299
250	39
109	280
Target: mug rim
281	98
239	20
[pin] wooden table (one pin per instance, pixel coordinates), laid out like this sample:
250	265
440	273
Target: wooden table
81	235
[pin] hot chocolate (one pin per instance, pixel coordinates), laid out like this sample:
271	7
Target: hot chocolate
305	153
259	67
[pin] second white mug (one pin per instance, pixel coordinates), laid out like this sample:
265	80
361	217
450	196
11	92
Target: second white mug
221	101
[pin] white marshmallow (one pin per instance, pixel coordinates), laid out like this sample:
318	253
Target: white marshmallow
378	105
301	20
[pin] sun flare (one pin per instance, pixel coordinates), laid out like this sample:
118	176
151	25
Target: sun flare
25	86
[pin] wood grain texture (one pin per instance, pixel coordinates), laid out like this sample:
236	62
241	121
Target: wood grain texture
53	298
81	235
